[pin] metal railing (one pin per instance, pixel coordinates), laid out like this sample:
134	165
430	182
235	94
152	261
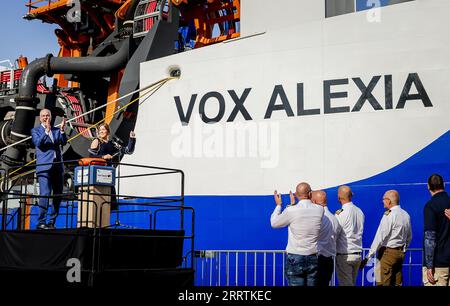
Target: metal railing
267	268
14	184
15	191
38	3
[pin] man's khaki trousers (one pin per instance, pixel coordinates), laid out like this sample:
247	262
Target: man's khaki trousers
390	267
441	275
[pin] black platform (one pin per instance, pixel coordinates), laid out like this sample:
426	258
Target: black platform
108	257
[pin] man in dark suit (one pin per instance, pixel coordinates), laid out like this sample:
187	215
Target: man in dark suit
49	169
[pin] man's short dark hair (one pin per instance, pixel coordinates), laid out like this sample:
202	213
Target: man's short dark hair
435	182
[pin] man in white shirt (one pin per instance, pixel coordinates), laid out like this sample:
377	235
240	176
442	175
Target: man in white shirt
303	220
326	246
393	237
349	242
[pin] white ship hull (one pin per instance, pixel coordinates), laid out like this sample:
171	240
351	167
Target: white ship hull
320	67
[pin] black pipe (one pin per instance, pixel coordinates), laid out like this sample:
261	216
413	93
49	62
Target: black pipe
50	65
131	10
100	65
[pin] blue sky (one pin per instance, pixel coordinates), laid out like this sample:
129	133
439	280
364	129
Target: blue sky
32	39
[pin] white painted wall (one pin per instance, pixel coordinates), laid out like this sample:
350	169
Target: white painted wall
325	150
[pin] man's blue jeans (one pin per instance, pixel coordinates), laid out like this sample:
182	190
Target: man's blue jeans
301	270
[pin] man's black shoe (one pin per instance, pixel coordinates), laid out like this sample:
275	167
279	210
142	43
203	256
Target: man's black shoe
42	227
51	226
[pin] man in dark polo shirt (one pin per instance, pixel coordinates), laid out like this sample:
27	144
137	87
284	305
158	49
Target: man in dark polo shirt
436	235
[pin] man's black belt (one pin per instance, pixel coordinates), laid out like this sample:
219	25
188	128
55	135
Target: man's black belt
354	253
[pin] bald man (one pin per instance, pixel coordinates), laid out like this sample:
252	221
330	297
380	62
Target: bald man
48	141
326	247
349	241
303	220
391	241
